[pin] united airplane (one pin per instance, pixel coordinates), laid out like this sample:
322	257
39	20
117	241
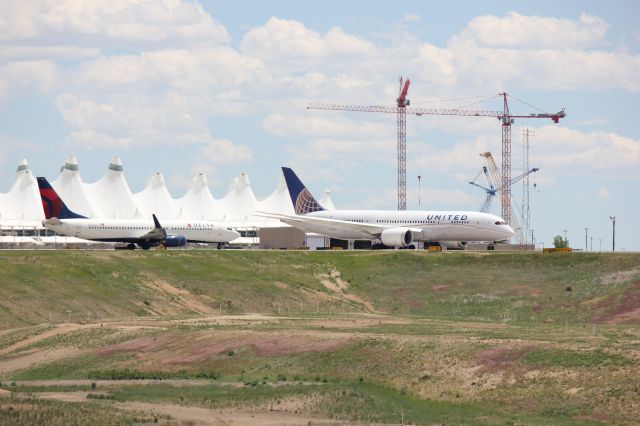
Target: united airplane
144	233
390	227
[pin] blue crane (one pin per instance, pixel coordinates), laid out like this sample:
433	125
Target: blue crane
491	190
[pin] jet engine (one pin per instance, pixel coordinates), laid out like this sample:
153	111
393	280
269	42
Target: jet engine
175	241
454	245
396	237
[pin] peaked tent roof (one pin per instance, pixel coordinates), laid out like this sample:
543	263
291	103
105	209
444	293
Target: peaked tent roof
112	195
239	204
72	189
22	203
155	199
326	201
198	203
279	201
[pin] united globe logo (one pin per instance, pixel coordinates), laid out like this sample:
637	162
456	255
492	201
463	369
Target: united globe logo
305	203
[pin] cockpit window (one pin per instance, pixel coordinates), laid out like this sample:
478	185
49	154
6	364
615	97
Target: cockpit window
501	223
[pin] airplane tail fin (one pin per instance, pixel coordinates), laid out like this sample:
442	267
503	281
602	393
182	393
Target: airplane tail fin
303	201
52	204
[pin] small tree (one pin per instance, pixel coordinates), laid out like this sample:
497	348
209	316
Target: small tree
559	242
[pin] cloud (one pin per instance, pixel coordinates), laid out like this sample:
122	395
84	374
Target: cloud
462	157
558	152
519	31
342	154
130	20
431	198
319	124
159	97
210	156
180	69
603	192
487	55
530	52
225	151
282	41
411	17
10	145
125	121
566	150
163	94
39	53
40	76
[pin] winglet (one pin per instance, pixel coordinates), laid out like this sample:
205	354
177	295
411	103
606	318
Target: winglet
303	201
52	204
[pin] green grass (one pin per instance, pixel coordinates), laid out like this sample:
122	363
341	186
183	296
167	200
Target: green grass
9	339
30	412
345	401
70	368
27	388
128	374
572	358
525	287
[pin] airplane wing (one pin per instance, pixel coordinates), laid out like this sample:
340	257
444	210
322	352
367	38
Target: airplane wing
373	230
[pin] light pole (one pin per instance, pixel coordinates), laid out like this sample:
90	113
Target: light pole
419	178
591	243
586	232
565	234
533	240
613	220
600	240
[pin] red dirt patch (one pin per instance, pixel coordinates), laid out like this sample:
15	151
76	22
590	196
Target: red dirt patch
497	359
268	345
399	292
440	287
620	309
194	348
142	344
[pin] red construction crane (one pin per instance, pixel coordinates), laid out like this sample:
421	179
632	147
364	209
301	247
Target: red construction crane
401	109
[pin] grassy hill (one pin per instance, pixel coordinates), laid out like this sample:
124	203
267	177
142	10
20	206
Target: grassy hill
523	287
288	337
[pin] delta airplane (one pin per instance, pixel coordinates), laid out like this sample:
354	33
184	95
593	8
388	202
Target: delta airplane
393	228
144	233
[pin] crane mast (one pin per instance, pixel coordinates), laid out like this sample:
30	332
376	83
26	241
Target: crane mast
402	103
505	194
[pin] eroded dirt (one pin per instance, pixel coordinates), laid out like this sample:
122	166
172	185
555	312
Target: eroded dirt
334	283
620	309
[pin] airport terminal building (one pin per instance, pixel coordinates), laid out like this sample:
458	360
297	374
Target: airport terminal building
21	212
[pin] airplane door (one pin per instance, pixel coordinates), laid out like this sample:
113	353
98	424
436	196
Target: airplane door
76	231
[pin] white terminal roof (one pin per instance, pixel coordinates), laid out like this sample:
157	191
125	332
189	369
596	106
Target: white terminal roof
22	204
70	186
111	197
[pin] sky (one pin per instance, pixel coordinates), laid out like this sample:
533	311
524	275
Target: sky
182	87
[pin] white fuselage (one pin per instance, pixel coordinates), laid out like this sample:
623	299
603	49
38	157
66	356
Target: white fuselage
434	225
116	230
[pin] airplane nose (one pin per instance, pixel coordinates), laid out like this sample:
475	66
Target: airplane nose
510	230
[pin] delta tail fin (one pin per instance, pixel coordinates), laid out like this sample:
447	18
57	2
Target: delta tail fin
303	201
52	204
